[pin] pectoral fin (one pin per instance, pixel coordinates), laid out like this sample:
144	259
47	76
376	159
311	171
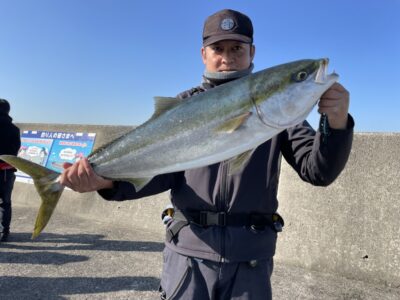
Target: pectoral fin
233	124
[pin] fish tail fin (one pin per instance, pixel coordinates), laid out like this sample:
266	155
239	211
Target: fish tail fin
46	184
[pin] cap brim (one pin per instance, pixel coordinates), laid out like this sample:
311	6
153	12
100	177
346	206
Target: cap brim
223	37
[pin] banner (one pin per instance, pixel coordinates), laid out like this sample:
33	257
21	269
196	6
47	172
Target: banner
52	149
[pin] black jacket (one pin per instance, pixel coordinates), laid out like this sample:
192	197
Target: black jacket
10	140
252	190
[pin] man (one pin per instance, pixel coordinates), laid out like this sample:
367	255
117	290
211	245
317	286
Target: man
10	142
221	241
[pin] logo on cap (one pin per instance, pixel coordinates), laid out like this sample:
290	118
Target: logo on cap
227	24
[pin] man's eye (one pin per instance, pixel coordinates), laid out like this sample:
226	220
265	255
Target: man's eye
217	49
236	48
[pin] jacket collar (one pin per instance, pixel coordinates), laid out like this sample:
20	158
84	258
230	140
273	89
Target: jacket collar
217	78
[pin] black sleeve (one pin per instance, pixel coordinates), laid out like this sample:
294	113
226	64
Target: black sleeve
16	141
11	139
317	162
124	190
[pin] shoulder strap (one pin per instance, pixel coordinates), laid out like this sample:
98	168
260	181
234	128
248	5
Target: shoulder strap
174	229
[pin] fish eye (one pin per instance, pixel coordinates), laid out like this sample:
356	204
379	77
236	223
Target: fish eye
300	76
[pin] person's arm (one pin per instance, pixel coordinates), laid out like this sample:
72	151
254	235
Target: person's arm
16	144
316	158
80	177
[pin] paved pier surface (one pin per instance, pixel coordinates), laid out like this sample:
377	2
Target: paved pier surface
76	258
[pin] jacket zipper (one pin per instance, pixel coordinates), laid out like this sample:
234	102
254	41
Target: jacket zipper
223	202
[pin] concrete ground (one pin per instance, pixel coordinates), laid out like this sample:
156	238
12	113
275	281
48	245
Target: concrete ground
76	258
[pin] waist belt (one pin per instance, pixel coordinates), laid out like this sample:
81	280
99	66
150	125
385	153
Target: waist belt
210	218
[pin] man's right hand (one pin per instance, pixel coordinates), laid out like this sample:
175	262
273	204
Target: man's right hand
81	178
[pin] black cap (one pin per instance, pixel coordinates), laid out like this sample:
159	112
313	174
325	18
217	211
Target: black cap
4	106
227	24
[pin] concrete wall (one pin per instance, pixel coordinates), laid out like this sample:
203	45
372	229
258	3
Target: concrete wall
350	228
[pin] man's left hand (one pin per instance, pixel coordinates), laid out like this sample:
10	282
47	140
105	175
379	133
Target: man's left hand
335	104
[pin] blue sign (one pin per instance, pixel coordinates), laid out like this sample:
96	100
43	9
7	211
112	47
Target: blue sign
52	149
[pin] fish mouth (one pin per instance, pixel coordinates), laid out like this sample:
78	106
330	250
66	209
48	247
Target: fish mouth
318	82
322	75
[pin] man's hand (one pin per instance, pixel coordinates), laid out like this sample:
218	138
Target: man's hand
81	178
335	104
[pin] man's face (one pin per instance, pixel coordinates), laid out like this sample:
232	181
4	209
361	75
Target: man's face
227	55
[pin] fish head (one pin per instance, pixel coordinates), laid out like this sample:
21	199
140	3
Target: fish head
291	91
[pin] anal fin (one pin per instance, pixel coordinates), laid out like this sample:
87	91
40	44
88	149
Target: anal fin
238	162
139	183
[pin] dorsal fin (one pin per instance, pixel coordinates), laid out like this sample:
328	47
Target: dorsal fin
163	104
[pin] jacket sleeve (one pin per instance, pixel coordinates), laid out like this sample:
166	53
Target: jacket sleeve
16	141
124	190
317	162
11	138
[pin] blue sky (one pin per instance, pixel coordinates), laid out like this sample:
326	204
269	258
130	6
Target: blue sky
103	61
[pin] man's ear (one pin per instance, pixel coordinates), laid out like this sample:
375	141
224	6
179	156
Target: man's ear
252	51
203	54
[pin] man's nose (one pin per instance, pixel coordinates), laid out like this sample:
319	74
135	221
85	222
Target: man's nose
227	57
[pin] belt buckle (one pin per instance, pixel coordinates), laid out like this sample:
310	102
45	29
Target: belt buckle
203	218
222	219
212	218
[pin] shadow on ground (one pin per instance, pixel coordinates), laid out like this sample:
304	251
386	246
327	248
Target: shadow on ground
51	241
55	288
47	248
40	258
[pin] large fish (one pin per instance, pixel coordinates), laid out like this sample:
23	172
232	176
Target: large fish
226	122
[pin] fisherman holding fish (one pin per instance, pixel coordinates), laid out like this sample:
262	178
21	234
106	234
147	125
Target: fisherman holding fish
213	251
10	142
217	148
